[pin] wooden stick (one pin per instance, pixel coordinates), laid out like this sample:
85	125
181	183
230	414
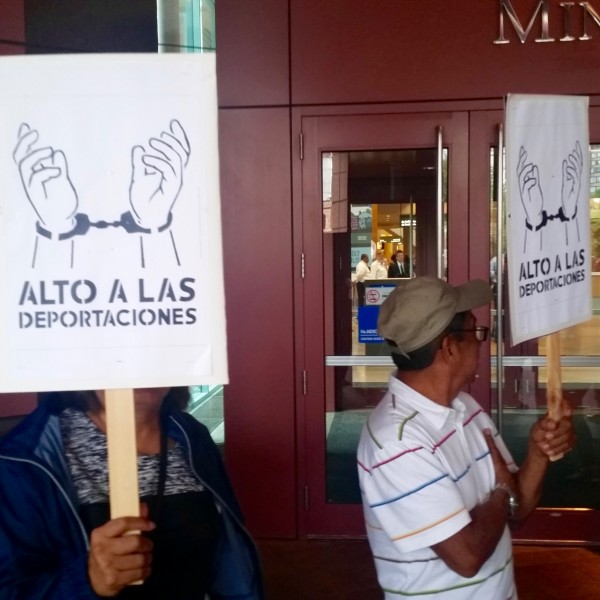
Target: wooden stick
554	380
122	454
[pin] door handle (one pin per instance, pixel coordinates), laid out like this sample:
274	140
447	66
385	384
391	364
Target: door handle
500	276
440	206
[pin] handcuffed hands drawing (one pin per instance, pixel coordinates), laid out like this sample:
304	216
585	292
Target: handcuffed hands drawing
157	177
532	197
530	190
571	181
45	176
157	171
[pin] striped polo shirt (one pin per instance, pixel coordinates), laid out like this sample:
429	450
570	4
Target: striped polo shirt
422	467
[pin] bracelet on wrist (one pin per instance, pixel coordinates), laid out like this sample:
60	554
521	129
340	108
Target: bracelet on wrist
513	501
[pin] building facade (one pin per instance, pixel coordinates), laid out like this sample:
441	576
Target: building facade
397	107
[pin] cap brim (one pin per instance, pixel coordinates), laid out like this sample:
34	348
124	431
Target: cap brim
473	294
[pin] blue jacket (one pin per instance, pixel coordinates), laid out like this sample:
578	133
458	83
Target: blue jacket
43	543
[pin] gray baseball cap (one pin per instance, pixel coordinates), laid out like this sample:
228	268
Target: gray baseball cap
418	310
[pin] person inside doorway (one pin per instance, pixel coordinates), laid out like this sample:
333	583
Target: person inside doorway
393	271
403	264
379	266
362	273
400	265
439	487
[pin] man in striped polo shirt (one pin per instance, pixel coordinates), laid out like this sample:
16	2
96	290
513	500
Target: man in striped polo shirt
439	486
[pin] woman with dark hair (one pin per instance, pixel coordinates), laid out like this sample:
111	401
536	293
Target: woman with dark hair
56	536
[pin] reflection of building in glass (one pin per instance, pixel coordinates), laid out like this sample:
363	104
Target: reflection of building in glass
361	220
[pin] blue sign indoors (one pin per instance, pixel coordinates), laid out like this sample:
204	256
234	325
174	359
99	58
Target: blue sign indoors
367	325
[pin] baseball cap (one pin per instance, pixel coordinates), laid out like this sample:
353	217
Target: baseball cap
418	310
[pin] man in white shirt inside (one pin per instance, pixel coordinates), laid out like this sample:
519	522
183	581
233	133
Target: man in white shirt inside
362	273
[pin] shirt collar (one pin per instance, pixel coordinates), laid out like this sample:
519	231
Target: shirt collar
437	414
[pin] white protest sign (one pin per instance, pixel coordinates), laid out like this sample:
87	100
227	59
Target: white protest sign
111	269
548	217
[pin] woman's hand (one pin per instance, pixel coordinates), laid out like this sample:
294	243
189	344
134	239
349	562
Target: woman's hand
119	554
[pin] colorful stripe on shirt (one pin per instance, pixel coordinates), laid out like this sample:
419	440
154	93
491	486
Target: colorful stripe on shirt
467	583
428	526
409	493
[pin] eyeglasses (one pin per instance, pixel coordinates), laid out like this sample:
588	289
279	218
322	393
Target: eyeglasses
481	332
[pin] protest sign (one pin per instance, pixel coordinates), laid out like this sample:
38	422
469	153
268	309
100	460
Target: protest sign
548	224
111	271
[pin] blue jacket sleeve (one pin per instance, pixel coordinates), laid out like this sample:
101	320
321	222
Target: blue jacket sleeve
43	552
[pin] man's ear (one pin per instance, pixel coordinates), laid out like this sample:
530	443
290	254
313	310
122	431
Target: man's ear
449	348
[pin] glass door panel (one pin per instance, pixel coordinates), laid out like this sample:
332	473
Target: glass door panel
380	216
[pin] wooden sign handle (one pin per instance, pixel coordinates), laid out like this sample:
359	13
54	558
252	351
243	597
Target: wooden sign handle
554	380
122	453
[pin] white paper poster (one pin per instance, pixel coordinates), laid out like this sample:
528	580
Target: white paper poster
548	224
111	265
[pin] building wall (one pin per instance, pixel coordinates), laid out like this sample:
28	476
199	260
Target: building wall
259	400
394	51
12	26
344	52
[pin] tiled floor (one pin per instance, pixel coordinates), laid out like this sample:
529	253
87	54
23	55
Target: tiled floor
343	570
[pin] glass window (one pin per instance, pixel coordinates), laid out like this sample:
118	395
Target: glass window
380	227
186	25
206	405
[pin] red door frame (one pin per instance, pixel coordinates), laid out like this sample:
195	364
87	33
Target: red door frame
387	129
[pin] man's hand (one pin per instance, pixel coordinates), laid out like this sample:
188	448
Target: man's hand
548	439
552	438
530	190
119	555
157	176
45	177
